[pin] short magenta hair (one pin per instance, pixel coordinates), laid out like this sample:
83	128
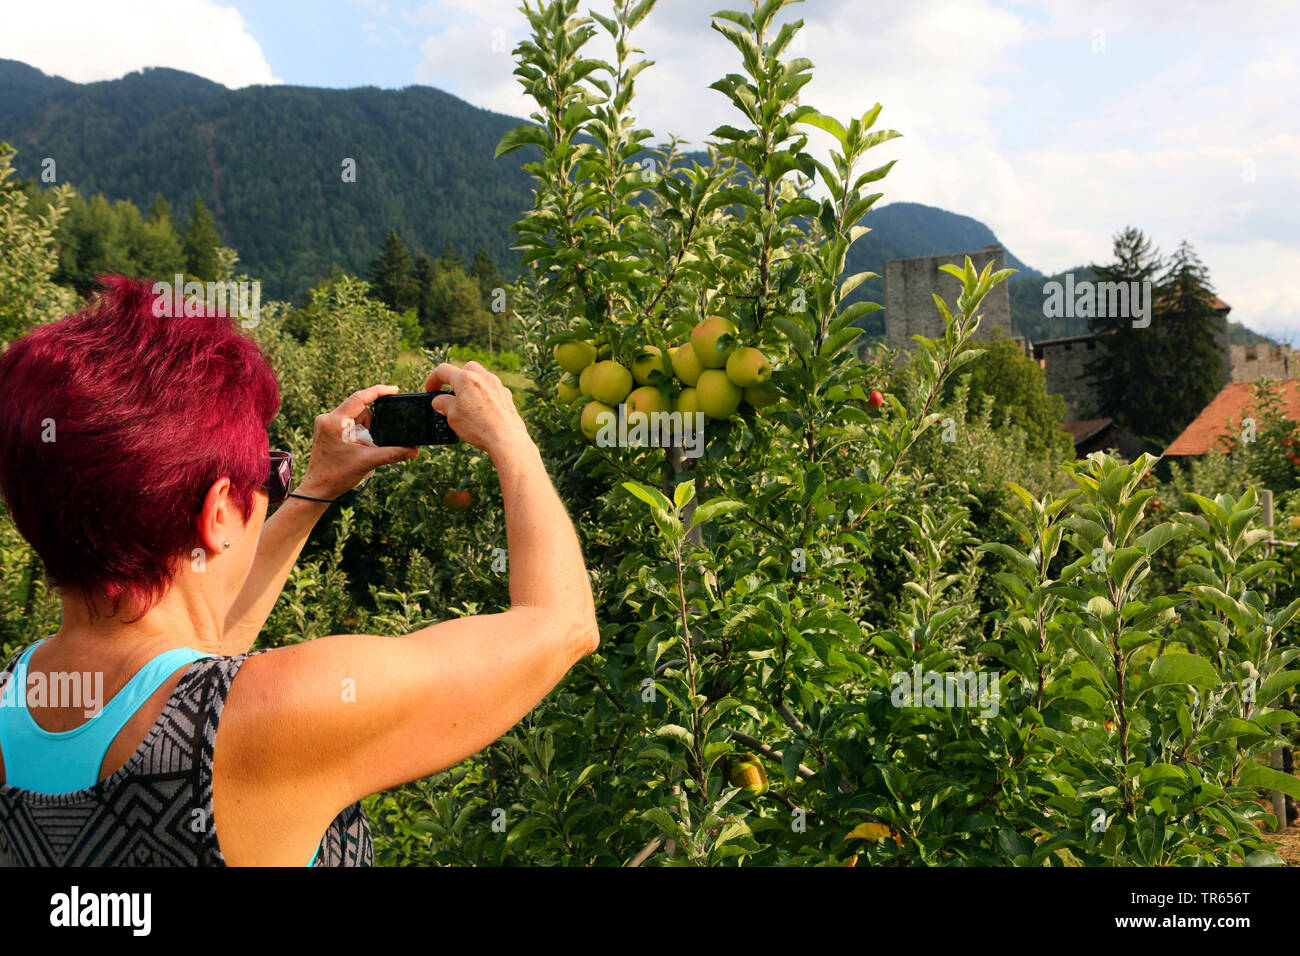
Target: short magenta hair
114	424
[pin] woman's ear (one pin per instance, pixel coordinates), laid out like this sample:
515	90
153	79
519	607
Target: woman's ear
218	519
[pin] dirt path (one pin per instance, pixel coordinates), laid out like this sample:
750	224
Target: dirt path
1288	845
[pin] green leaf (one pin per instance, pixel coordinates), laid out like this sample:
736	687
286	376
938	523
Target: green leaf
712	509
803	206
676	732
524	827
1267	778
1263	858
664	821
1175	668
651	496
522	136
1276	685
798	337
826	123
1158	772
858	309
684	493
790	757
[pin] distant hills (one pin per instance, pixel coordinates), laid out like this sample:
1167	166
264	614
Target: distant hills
268	163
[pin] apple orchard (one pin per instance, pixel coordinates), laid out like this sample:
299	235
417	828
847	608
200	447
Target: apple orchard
758	598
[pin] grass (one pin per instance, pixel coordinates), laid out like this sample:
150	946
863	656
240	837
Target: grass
413	367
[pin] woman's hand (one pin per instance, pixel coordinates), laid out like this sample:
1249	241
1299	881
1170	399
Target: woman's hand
482	412
338	464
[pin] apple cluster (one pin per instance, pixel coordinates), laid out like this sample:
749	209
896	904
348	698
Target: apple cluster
707	373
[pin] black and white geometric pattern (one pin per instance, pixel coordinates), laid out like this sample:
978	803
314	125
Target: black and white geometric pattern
156	809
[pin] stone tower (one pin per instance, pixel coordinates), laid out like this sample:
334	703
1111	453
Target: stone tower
910	308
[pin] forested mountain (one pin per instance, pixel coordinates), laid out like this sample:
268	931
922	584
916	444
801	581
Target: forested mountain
903	230
268	162
21	84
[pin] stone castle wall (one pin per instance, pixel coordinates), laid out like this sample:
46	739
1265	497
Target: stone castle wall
1250	363
911	283
1065	365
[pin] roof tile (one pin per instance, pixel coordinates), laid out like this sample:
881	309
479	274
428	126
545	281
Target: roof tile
1225	411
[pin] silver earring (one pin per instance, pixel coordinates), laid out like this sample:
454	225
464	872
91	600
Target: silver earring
225	544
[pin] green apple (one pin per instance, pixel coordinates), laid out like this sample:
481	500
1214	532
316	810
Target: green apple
584	380
748	367
706	340
591	417
747	773
648	359
686	364
610	382
575	355
567	390
688	401
718	396
647	398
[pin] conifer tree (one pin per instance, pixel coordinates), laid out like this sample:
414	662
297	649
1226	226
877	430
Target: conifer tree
1153	376
390	274
200	243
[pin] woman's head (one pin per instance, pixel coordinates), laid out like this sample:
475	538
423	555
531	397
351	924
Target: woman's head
116	425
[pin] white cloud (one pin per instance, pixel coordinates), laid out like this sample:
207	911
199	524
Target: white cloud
90	40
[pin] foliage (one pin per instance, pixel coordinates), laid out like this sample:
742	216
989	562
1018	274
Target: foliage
1017	389
1154	378
730	588
351	342
200	245
28	297
451	305
97	237
1264	442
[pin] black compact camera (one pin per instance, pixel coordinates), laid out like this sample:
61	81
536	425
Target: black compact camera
409	419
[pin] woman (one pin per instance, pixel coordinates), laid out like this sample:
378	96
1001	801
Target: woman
134	459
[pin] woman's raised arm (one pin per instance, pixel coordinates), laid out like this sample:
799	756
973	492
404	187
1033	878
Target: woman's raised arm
336	466
342	717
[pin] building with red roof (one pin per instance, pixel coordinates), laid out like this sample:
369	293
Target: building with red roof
1223	416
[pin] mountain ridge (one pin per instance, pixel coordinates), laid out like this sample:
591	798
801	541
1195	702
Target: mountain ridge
268	161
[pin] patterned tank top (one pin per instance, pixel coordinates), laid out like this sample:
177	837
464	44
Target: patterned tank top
156	809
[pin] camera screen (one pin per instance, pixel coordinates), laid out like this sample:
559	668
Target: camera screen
405	419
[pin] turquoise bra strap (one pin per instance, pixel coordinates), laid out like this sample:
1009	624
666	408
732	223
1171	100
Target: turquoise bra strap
62	762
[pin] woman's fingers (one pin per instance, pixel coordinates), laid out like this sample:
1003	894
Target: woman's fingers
444	374
357	402
391	454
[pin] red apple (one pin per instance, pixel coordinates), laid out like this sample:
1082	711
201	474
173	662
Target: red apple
456	500
876	399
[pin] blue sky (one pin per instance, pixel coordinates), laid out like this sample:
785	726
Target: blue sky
1057	122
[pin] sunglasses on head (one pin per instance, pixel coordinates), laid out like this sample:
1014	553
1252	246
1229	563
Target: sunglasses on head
279	477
